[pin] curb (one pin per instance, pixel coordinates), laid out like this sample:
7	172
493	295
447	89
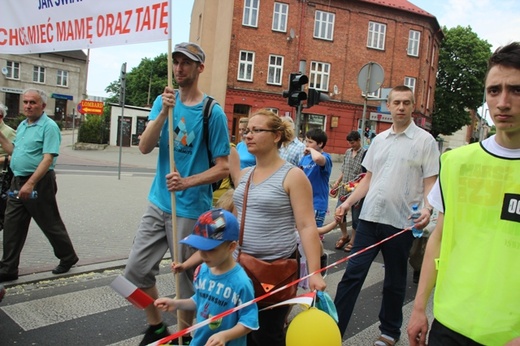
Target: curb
75	270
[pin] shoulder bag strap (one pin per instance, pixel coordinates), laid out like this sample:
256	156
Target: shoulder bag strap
244	203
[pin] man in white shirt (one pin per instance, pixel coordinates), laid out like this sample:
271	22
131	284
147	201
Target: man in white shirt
402	166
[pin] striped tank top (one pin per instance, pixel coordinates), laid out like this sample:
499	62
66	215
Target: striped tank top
269	228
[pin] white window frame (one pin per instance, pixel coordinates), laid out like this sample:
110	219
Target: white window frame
319	74
428	98
275	70
376	35
410	82
39	74
274	110
246	66
414	40
374	94
280	14
324	25
250	17
62	78
13	70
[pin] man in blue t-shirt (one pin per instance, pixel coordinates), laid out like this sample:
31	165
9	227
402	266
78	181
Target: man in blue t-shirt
33	157
191	180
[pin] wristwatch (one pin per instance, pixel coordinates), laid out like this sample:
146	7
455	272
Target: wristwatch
430	209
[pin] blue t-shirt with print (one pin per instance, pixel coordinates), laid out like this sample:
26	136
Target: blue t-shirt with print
215	294
190	155
319	177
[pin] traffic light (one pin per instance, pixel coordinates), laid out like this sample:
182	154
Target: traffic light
295	95
315	97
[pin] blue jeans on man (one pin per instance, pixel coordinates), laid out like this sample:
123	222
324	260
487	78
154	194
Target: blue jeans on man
395	255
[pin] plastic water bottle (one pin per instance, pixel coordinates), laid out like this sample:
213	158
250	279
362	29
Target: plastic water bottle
417	233
14	194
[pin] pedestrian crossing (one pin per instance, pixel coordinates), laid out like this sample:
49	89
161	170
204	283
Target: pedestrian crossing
93	305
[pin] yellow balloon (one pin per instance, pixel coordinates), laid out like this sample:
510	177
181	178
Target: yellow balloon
313	327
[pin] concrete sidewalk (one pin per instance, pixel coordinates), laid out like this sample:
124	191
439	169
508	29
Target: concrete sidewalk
101	212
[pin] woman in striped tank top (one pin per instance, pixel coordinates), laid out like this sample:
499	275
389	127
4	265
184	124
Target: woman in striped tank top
279	199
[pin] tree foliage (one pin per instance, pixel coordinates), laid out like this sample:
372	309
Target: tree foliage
143	83
460	80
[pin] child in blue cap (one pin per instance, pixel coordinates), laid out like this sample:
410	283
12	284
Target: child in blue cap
220	284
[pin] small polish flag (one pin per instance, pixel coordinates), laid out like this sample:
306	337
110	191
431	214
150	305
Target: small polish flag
131	292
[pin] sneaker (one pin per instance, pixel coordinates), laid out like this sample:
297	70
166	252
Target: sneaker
324	260
154	333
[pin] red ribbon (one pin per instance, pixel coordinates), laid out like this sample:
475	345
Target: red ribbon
257	299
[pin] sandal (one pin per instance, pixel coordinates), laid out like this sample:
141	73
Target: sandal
348	248
383	341
342	241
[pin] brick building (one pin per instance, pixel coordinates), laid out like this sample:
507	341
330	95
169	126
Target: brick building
253	45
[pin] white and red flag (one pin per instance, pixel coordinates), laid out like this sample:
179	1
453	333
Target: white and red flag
131	292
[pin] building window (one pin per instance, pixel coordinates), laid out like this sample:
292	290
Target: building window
376	35
13	70
39	74
280	17
251	13
373	94
319	76
314	121
245	66
275	70
413	43
433	55
274	110
62	78
410	82
239	109
324	25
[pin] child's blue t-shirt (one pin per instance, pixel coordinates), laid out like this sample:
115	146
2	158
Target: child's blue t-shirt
190	155
215	294
319	177
246	158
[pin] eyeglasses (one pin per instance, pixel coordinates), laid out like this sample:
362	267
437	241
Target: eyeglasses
255	131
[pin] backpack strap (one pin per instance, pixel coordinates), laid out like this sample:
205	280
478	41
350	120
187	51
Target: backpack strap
207	108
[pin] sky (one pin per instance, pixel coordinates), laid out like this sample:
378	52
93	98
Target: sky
495	22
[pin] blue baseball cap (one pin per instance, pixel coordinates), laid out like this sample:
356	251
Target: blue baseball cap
212	229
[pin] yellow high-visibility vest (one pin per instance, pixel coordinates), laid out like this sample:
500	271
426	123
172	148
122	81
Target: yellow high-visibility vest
478	281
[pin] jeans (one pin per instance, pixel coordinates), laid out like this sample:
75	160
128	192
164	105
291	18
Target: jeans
395	255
